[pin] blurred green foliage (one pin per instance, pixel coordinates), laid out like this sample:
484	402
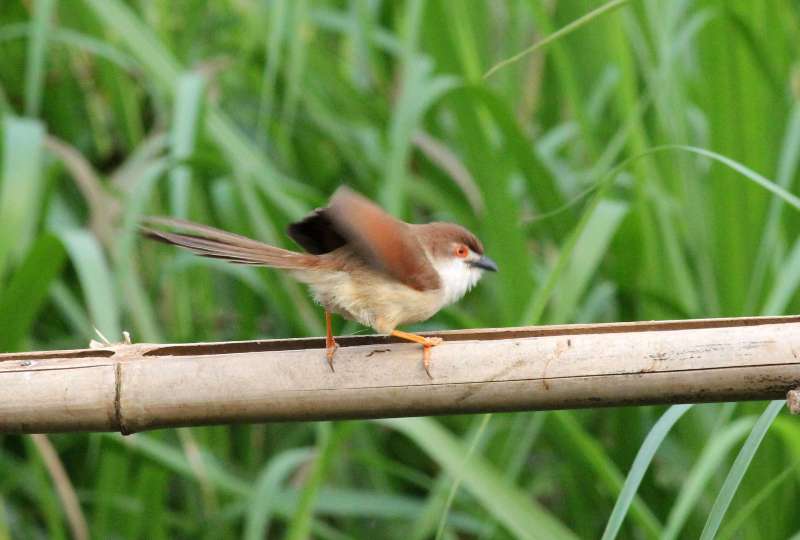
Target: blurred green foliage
245	114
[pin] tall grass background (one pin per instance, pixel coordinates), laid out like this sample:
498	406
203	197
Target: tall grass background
637	164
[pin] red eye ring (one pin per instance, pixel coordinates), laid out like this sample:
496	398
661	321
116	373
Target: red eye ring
462	251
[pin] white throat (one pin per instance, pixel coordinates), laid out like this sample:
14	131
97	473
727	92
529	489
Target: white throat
457	278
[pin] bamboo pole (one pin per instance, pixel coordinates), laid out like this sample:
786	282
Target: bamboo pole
130	388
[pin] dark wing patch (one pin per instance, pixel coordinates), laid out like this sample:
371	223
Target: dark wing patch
316	233
386	243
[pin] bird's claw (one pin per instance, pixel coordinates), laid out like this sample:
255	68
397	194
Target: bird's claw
331	348
426	353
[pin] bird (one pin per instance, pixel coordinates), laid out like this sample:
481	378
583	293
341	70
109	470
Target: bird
359	262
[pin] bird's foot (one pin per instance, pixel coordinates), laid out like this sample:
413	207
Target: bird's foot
426	353
426	342
330	351
330	343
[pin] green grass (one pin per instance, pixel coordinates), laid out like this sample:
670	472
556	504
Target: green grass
621	160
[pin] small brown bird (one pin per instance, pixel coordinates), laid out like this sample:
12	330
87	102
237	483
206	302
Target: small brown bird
361	263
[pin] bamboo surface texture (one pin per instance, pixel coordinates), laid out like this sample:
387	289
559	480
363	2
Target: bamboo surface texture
131	388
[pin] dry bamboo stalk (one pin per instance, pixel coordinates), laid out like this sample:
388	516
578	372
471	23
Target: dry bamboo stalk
131	388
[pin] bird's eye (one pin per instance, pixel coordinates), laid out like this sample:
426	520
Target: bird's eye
462	251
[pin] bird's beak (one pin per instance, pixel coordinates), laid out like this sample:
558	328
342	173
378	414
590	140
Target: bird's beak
486	264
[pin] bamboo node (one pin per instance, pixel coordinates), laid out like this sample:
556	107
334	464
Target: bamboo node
793	400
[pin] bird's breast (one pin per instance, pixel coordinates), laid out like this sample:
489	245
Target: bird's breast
371	297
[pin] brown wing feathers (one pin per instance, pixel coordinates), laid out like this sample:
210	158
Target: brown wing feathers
386	243
216	244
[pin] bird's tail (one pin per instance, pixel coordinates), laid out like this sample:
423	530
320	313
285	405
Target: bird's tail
216	244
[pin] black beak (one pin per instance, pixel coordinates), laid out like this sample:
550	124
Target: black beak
486	263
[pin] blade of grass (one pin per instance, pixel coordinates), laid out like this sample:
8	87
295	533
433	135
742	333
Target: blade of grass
328	437
46	503
542	186
21	186
745	171
661	256
786	429
521	516
523	434
746	512
299	33
438	491
176	461
159	62
787	168
565	69
63	485
739	468
185	120
587	255
96	280
312	493
786	283
187	107
126	266
340	502
436	497
93	46
71	309
480	126
587	448
712	457
639	467
27	291
5	108
330	501
273	45
536	306
464	40
538	303
37	53
421	88
267	487
5	534
364	16
473	445
558	34
110	479
151	487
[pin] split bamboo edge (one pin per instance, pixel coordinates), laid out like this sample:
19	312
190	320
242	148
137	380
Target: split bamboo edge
131	388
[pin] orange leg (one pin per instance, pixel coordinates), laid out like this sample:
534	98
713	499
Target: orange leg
426	342
330	343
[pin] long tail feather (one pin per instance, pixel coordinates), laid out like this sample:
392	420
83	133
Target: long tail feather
217	244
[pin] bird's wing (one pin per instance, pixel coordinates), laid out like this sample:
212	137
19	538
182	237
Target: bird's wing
316	233
386	243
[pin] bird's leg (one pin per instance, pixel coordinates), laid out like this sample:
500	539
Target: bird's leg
330	343
426	342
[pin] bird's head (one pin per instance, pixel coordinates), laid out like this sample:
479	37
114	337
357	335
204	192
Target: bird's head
457	255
